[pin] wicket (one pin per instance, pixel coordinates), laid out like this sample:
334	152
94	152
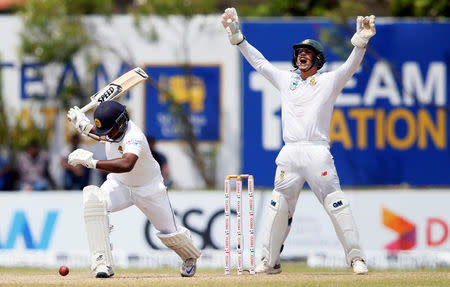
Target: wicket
251	214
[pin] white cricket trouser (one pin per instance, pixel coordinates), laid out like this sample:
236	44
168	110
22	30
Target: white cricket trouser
300	162
151	199
313	163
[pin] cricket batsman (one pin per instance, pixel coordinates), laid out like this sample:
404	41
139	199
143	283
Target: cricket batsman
307	100
134	179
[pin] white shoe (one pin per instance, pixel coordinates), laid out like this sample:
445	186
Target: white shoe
263	267
188	267
104	271
359	267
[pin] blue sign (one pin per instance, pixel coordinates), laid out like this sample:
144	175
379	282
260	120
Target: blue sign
390	124
183	94
31	75
20	228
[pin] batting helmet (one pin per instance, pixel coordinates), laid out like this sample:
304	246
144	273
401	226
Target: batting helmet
319	57
108	115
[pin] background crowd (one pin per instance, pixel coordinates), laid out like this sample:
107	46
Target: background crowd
28	170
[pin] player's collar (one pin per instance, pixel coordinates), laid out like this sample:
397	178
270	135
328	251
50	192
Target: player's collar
317	74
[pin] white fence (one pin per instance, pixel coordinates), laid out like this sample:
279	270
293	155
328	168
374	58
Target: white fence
47	229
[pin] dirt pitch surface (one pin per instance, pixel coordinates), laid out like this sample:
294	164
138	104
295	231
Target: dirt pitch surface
291	276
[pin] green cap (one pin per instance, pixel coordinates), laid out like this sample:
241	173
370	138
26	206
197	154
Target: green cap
309	44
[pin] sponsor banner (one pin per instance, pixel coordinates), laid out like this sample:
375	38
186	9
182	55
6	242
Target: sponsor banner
391	118
395	227
196	89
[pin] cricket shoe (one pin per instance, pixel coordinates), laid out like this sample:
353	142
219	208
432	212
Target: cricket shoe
104	271
359	266
188	267
263	267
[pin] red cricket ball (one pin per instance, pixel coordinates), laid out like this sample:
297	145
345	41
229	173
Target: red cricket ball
63	270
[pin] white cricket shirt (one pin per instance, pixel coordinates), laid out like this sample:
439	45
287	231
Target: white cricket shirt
306	105
146	168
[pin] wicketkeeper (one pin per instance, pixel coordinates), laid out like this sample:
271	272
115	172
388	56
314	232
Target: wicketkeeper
307	101
134	179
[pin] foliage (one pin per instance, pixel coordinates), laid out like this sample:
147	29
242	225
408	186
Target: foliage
286	8
24	133
16	138
254	8
175	7
83	7
180	114
420	8
53	32
295	8
334	8
4	139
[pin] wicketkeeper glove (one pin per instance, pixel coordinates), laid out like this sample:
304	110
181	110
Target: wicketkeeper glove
79	120
230	22
83	157
365	29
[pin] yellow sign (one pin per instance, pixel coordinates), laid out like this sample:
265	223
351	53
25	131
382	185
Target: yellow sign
422	128
184	89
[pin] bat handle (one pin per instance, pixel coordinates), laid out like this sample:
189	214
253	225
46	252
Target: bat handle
88	107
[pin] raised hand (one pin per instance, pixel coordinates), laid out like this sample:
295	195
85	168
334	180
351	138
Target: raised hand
365	29
79	120
230	22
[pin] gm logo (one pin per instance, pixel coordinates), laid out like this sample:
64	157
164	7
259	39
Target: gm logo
21	228
337	204
406	231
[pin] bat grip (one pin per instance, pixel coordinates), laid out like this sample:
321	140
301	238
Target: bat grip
88	107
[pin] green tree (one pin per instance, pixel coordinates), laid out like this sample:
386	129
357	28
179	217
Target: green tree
15	133
181	115
54	33
420	8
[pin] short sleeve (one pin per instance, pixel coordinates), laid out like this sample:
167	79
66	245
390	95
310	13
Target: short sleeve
133	145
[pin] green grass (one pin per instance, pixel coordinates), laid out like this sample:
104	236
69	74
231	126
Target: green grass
292	275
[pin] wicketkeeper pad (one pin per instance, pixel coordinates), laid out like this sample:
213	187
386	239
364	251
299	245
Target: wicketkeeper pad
97	226
276	228
338	208
181	243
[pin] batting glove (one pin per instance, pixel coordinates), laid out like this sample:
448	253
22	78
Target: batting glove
230	22
83	157
365	29
79	120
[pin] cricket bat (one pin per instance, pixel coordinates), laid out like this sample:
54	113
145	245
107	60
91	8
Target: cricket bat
116	88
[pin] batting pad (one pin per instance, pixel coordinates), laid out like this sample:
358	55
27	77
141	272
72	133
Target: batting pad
276	228
338	208
97	226
181	243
